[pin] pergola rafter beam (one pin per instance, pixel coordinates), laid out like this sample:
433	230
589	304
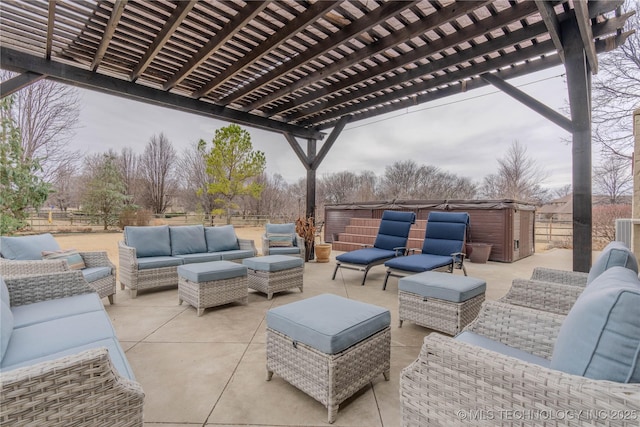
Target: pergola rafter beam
416	89
446	14
50	25
246	15
18	82
586	35
426	69
110	29
179	13
17	61
551	22
313	13
354	29
529	101
453	89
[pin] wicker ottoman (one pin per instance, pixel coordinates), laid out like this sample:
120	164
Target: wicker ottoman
440	301
274	273
209	284
328	346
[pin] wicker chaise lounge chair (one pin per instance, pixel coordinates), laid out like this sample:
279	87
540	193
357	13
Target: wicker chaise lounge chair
443	247
390	242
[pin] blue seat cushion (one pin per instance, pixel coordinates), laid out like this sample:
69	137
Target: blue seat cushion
6	327
187	239
600	337
116	354
30	314
56	335
209	271
148	241
237	254
221	238
615	254
273	263
294	250
327	322
27	247
202	257
444	286
91	274
498	347
419	262
158	262
365	256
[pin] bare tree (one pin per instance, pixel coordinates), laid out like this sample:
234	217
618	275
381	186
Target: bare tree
65	187
128	167
563	191
616	91
193	178
47	114
613	178
340	187
519	178
157	173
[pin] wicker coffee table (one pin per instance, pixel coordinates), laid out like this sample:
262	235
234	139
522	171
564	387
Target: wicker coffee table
209	284
274	273
328	346
440	301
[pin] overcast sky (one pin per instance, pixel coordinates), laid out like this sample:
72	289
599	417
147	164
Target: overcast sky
464	134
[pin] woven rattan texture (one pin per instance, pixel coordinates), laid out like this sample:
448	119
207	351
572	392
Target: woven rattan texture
440	315
552	297
329	378
81	389
213	293
35	288
269	282
575	278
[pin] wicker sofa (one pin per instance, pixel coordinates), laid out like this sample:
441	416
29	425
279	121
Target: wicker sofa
61	363
528	366
23	255
150	256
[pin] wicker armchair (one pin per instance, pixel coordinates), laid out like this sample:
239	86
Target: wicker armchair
548	296
105	286
80	389
455	383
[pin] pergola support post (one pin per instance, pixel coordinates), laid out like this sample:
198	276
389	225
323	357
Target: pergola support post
311	179
579	86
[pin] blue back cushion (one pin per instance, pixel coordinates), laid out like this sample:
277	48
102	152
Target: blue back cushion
614	254
6	327
445	233
27	247
394	230
221	239
148	241
600	337
289	228
187	239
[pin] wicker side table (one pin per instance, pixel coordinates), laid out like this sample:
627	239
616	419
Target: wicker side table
210	284
274	273
440	301
339	347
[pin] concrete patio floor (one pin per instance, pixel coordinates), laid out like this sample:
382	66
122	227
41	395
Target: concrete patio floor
210	370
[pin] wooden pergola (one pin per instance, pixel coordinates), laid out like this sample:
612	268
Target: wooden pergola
302	68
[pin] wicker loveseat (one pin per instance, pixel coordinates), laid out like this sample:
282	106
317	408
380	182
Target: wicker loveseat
526	366
61	363
23	255
150	256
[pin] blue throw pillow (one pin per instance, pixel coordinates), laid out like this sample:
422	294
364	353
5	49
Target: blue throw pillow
187	239
27	247
148	241
221	239
600	337
288	228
